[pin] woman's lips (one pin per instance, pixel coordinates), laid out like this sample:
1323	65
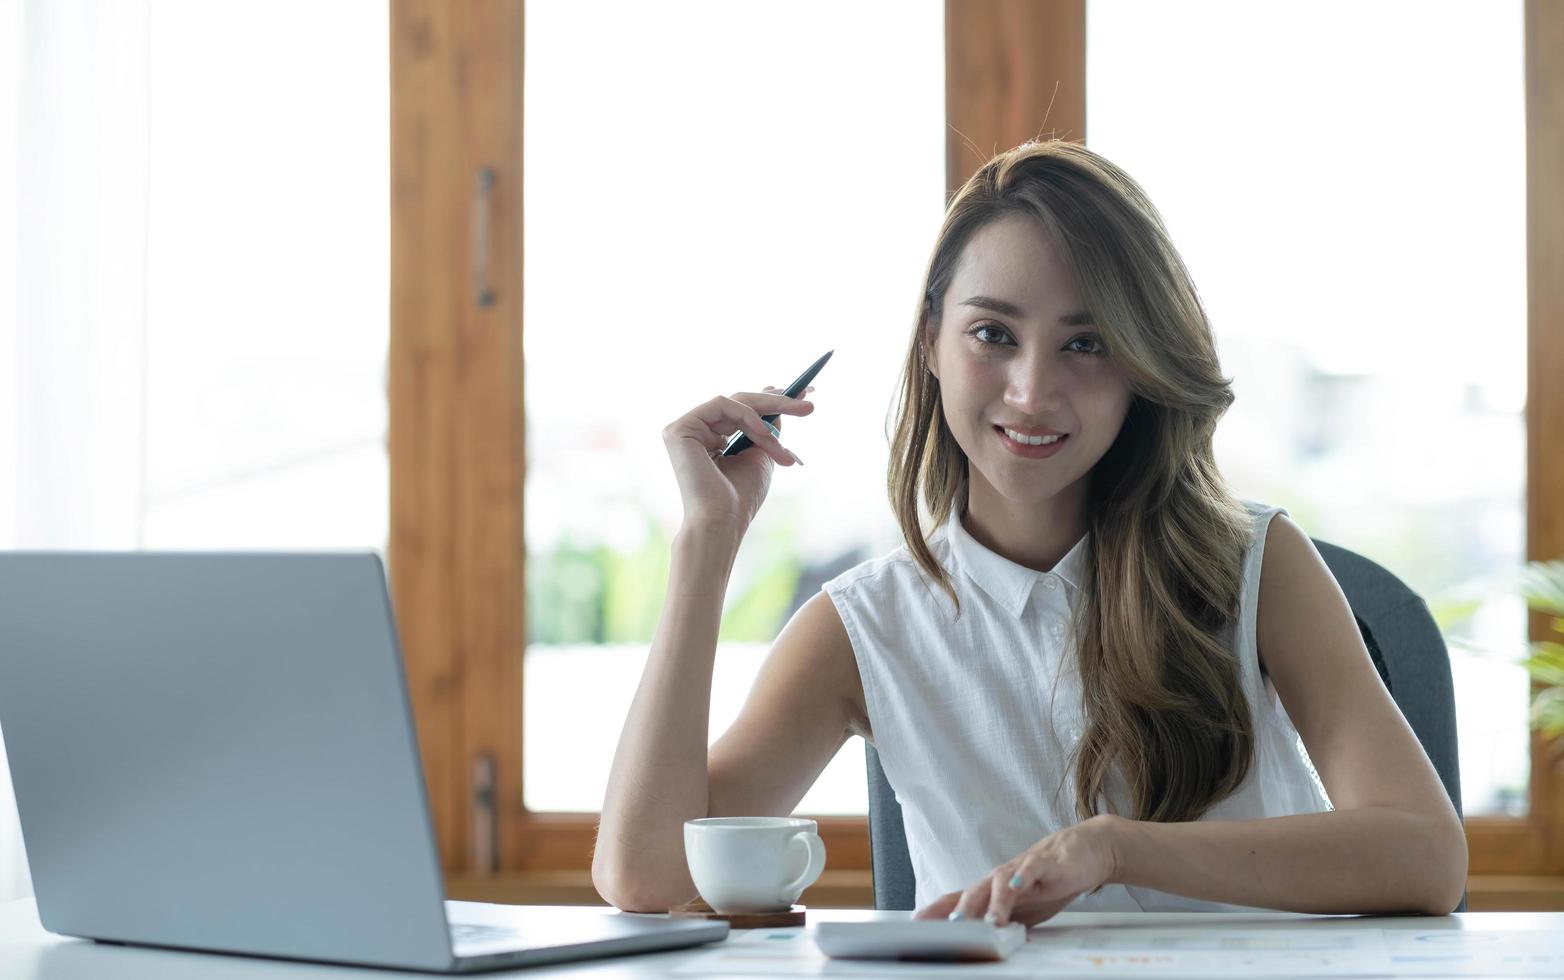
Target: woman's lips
1026	451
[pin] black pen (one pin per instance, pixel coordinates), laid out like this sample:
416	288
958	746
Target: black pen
741	442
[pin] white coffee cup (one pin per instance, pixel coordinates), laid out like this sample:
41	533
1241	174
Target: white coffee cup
753	864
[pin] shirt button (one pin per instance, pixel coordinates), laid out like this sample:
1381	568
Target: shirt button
1050	581
1058	631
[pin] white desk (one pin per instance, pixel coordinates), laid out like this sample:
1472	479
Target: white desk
27	952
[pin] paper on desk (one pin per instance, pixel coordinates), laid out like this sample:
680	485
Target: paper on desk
1205	953
1462	952
792	952
1209	952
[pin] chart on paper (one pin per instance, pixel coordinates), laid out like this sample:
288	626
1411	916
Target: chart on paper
1205	953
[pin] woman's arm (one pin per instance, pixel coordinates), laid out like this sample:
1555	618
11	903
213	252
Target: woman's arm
794	720
1393	842
805	701
1362	860
658	777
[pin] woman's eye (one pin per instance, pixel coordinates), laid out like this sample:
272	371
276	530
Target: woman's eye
973	332
1093	344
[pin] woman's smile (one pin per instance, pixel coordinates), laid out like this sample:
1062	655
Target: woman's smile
1028	450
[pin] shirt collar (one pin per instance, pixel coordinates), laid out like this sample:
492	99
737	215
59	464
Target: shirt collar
1008	583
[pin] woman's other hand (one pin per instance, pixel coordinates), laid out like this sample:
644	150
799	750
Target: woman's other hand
1038	882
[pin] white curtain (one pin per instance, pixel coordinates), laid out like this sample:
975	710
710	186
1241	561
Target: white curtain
73	292
180	367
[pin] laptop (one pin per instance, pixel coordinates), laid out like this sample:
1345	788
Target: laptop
215	751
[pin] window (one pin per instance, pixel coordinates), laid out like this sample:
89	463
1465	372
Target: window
1358	235
716	194
267	277
458	465
198	279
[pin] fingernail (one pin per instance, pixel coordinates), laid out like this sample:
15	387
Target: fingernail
991	918
795	457
1015	882
955	914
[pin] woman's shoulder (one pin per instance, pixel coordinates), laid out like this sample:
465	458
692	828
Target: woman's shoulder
1258	555
890	571
1260	514
1260	509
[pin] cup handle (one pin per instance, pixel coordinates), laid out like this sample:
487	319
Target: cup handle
816	864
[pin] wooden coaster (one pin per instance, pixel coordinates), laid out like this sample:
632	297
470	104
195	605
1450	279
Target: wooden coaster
698	909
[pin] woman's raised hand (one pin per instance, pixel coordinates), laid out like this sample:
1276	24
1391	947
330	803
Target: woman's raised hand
727	491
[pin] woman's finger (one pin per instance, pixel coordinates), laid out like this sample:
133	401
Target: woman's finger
1001	895
708	439
794	406
764	403
724	414
1039	878
973	903
694	427
939	908
1027	872
1039	888
723	428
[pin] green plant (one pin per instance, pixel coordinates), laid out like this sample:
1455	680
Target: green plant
565	593
755	615
634	583
1541	585
583	592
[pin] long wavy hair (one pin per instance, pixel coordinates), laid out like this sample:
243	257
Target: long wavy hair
1164	704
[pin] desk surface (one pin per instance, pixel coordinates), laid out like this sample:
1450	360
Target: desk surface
27	952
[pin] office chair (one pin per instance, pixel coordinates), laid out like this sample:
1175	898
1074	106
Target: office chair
1402	639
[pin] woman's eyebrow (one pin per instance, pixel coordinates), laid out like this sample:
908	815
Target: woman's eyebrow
1080	318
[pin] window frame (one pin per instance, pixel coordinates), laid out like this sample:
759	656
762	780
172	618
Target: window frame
456	436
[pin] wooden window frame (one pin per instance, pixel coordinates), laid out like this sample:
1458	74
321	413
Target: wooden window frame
1015	70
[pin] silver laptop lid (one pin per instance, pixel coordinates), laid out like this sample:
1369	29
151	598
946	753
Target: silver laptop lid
215	751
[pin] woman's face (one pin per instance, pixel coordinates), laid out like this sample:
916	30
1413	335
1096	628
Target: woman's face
1016	348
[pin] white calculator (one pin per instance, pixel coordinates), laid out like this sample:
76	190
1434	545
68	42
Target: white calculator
919	939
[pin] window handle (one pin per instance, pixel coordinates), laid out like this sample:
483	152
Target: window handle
483	292
485	842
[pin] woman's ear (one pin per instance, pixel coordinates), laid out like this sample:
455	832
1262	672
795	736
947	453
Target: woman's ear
928	342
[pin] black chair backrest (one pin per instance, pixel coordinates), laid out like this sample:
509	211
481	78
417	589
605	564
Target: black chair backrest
1402	639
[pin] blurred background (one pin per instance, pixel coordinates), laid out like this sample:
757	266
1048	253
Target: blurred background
196	297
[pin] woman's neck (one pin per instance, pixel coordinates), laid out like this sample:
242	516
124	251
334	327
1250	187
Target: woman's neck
1035	534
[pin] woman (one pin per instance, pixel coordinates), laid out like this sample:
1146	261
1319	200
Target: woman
1101	704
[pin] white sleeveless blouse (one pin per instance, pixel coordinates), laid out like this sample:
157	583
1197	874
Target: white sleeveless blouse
974	719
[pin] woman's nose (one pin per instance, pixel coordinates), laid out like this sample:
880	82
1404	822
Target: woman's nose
1034	387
